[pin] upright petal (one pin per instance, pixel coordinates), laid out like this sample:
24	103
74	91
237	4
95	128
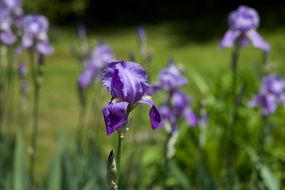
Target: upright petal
257	41
269	104
125	80
7	37
154	114
115	116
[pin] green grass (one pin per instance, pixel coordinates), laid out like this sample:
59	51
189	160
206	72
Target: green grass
205	63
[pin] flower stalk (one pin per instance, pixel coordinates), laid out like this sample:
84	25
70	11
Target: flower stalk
119	153
36	78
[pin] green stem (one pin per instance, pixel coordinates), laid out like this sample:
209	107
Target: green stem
166	161
36	83
231	131
119	152
1	89
81	124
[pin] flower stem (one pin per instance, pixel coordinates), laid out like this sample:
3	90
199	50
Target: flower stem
231	131
1	88
36	83
166	161
119	152
262	142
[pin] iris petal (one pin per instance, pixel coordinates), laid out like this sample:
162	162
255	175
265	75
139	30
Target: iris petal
125	80
44	47
154	115
228	39
115	116
190	117
171	78
257	41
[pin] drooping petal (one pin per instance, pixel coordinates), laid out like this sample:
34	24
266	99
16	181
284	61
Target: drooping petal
115	116
269	104
229	39
190	117
154	115
125	80
44	47
257	41
7	37
255	101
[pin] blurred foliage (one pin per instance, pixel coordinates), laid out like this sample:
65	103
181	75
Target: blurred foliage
56	10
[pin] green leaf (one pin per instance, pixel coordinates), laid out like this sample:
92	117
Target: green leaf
180	176
55	177
20	177
271	181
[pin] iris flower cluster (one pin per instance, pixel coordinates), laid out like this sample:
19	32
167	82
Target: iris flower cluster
10	10
14	7
33	28
270	95
34	34
177	106
127	83
243	23
94	64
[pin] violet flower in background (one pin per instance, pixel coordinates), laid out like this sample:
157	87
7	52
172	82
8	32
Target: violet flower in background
270	95
6	35
14	7
243	23
127	83
176	109
94	64
177	105
34	34
170	79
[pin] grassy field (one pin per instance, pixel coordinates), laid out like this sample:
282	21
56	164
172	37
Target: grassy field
204	61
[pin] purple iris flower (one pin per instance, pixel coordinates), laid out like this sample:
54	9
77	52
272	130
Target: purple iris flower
271	94
243	23
35	28
169	79
267	101
13	6
176	109
273	84
6	35
127	83
94	65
